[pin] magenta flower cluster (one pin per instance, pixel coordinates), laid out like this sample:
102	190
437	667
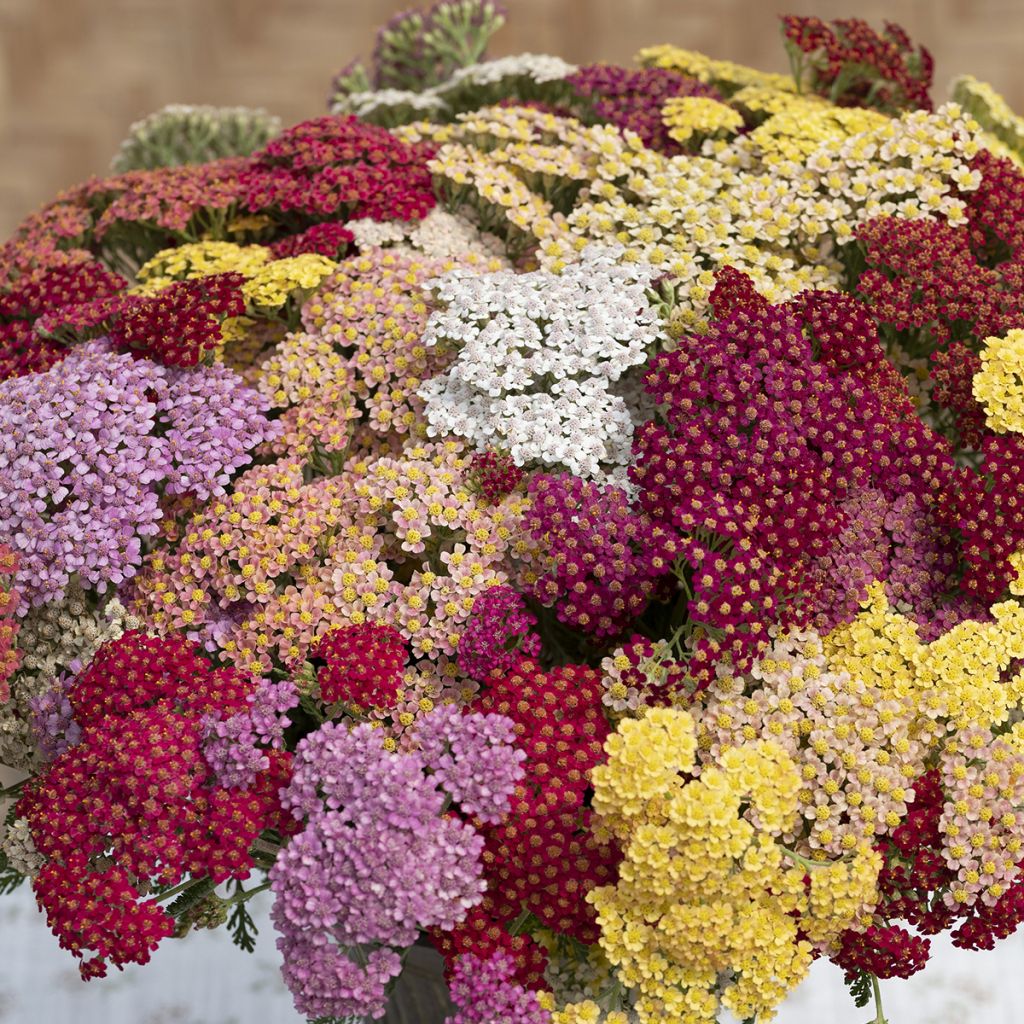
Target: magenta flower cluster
497	634
771	422
598	559
486	992
86	446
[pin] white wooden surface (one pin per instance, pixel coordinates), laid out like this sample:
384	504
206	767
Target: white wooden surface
205	980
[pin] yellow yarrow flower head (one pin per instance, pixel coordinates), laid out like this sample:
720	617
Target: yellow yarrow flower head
705	888
645	757
273	284
199	259
699	116
999	384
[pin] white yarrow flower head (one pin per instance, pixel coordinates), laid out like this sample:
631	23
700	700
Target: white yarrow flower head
541	359
540	67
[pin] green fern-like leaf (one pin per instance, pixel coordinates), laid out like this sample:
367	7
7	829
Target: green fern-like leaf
860	988
243	928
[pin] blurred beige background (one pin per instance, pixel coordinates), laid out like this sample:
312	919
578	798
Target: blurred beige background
75	73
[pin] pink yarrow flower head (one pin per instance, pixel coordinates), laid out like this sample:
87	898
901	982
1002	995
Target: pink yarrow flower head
84	447
378	858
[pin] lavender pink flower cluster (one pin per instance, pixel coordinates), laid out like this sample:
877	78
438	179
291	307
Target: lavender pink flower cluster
235	747
86	447
379	858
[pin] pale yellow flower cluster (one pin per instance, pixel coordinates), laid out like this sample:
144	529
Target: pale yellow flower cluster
1004	128
518	166
727	75
779	220
999	384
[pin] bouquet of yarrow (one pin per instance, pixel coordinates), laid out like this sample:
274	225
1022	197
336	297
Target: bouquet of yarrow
572	516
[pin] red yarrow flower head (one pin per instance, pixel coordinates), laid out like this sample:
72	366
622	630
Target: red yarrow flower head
182	323
853	65
543	857
134	805
339	168
363	665
885	952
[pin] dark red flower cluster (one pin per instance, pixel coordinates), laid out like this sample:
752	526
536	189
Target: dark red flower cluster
851	64
363	665
543	858
844	337
494	474
984	507
10	656
178	326
884	951
632	99
132	805
140	671
41	278
82	321
995	209
105	916
952	373
927	289
482	933
182	323
988	924
339	167
770	420
328	239
67	283
600	561
924	283
23	351
913	879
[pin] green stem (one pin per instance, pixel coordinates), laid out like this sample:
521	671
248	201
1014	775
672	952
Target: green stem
876	990
811	865
246	894
520	923
171	893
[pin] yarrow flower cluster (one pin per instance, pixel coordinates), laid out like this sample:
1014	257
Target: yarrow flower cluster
84	448
743	899
407	864
570	515
105	833
498	634
537	358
